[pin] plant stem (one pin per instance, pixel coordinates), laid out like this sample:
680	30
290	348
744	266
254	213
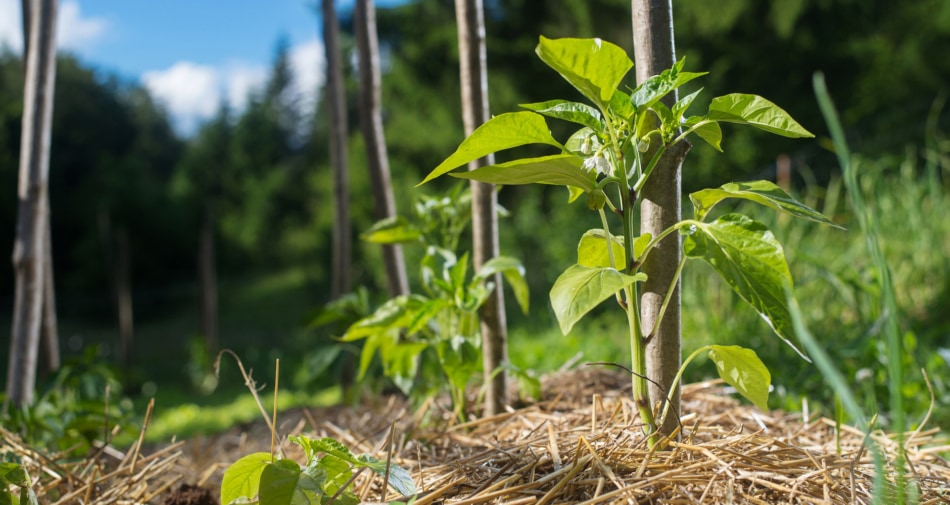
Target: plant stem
646	173
656	240
641	391
666	300
676	380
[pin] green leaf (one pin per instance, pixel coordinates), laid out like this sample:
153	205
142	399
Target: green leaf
640	245
592	250
666	117
756	111
458	272
28	497
425	313
621	105
762	192
332	471
559	169
501	132
707	130
579	289
281	485
593	66
436	267
742	369
574	112
749	258
334	448
243	477
680	107
653	90
513	271
373	343
400	362
395	313
460	360
399	478
392	230
13	473
573	193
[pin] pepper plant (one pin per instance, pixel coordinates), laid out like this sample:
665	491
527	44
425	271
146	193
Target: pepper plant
430	339
607	160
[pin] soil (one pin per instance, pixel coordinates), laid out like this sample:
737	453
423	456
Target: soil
187	494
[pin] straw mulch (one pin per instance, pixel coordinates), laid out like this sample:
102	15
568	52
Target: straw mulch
107	476
581	444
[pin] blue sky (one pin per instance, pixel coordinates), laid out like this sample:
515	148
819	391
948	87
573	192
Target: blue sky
191	54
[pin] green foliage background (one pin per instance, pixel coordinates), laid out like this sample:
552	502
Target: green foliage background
117	163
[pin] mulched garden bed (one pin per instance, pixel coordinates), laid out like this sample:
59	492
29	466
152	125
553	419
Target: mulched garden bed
580	444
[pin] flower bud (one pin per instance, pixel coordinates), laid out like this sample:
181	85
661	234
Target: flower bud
643	145
586	146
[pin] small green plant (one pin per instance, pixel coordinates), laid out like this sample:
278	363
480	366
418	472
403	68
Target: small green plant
622	137
429	339
332	360
83	402
14	475
330	469
268	480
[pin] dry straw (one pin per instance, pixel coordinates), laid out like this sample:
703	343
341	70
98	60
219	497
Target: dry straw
582	444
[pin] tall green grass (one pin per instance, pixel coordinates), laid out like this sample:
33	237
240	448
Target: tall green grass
867	219
849	301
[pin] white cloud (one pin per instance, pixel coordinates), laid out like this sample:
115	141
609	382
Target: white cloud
308	61
10	34
192	92
73	30
240	79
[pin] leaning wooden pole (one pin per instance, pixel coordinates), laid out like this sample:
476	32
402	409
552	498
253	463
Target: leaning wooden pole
474	79
371	123
660	209
32	210
339	162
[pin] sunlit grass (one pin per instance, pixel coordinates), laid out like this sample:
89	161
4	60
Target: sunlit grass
187	419
599	339
837	288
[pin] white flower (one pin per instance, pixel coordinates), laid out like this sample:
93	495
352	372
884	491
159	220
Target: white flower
597	163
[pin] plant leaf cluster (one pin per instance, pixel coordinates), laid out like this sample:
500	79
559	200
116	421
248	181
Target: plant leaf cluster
623	134
330	467
429	339
14	475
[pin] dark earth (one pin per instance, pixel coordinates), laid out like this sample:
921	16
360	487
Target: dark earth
187	494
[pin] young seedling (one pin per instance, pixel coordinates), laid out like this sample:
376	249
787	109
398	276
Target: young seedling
622	136
14	475
265	478
431	339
